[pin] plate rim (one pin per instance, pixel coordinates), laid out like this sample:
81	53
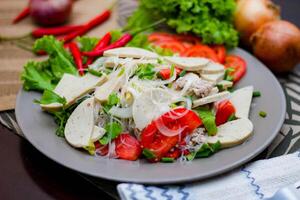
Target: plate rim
175	180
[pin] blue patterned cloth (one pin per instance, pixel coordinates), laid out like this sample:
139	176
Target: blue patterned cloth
258	180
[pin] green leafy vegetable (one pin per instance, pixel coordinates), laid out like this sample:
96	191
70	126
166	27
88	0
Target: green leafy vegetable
46	74
51	97
182	73
148	154
145	71
210	19
205	151
113	99
227	73
208	120
87	43
231	118
37	76
113	130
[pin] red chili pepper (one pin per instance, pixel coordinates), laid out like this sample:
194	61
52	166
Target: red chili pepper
24	13
119	43
40	32
105	40
77	57
88	26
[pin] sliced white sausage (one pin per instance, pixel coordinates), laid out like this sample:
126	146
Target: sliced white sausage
130	52
73	87
211	99
232	133
97	133
188	63
111	62
241	100
213	68
114	83
80	125
214	78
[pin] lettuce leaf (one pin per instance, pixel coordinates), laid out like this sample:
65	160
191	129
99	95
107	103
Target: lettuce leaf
208	120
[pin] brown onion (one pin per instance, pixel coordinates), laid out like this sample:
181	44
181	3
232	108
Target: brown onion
251	14
50	12
277	44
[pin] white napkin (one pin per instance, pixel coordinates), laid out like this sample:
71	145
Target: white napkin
257	180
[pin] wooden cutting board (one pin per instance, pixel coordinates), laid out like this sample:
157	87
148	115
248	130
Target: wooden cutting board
13	58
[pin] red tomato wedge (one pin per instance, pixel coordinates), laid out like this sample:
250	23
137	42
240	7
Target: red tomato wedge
161	36
201	51
238	64
166	73
174	46
225	109
221	53
160	144
127	147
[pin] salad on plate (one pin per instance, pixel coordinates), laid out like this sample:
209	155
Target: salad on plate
144	101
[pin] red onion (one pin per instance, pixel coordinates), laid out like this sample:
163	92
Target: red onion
50	12
277	44
251	14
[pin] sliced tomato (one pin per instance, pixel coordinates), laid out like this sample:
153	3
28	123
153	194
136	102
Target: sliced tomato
166	73
174	46
101	150
127	147
173	153
159	144
221	53
201	51
225	109
192	39
161	36
238	64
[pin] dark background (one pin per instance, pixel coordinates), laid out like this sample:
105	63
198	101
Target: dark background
27	174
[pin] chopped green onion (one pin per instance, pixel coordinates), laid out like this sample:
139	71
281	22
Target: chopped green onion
172	70
256	94
121	72
182	73
148	154
159	61
262	114
229	78
167	160
220	87
95	72
231	118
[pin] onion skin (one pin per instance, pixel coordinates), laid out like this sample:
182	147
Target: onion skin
251	14
50	12
277	44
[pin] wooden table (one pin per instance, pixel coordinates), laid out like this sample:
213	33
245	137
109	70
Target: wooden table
27	174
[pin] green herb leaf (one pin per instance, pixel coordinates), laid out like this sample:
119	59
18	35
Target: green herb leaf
182	73
148	154
49	97
208	120
87	43
207	150
231	118
113	130
146	71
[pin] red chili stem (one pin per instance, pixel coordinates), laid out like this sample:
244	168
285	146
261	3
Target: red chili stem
99	19
119	43
24	13
77	57
40	32
104	42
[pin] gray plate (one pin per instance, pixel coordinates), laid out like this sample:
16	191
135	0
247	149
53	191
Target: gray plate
39	128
